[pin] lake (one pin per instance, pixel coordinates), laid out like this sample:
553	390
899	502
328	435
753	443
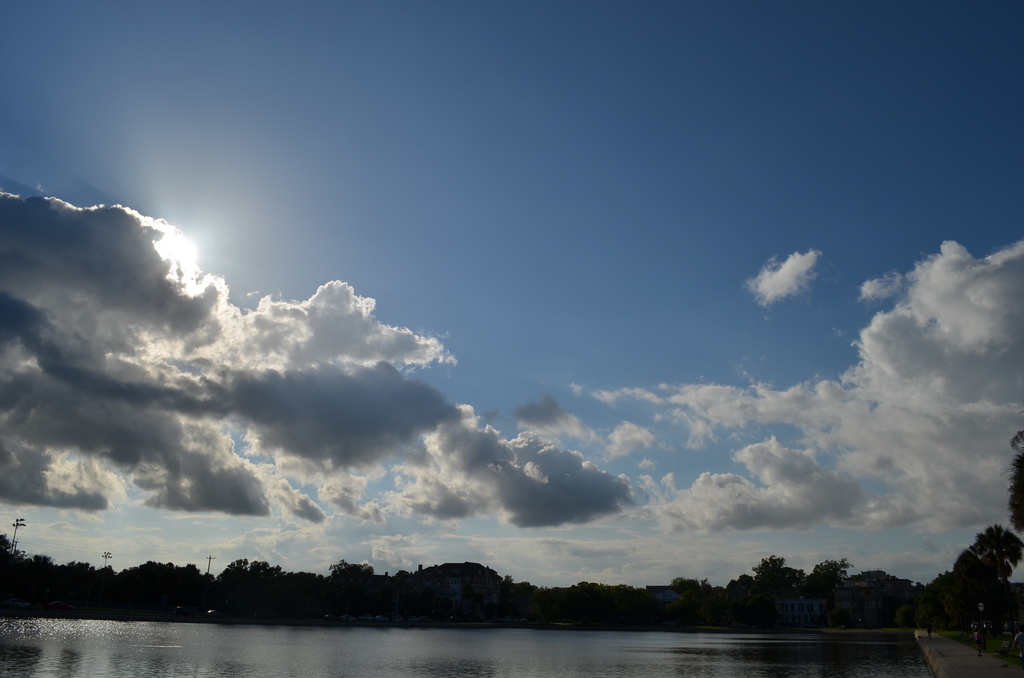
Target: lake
35	647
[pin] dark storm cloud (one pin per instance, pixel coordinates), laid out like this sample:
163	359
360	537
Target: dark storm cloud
23	481
19	321
533	483
340	418
190	483
140	436
552	486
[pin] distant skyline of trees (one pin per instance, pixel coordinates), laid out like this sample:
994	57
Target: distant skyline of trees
258	589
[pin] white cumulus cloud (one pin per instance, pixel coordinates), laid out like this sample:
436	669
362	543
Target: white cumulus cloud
914	434
778	280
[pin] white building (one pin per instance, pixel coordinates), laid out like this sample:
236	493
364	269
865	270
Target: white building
800	612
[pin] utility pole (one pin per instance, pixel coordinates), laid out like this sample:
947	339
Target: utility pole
20	522
206	584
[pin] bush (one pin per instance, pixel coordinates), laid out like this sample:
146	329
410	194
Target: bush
839	617
905	615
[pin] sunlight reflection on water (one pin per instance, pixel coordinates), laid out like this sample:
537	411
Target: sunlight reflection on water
111	649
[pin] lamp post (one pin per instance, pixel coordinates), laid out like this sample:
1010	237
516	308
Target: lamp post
103	573
20	522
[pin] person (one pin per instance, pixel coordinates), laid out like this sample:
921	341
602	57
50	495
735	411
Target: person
929	630
1018	640
979	638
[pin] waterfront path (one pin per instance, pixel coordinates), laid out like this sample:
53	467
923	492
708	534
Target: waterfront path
951	659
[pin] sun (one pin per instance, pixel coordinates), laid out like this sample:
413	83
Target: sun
179	252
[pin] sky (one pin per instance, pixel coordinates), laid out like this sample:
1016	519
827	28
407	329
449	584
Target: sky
582	291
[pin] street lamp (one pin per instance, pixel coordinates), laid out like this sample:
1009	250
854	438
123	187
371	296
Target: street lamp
103	573
20	522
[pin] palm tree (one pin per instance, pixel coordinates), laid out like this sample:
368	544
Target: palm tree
1016	503
973	578
1002	550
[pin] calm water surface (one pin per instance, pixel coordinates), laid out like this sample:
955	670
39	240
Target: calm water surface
107	649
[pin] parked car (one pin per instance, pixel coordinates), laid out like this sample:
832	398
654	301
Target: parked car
59	605
16	603
182	611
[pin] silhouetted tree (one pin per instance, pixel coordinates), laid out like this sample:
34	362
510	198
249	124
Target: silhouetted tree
773	577
839	617
905	615
686	609
76	581
302	594
633	605
1016	499
342	568
757	610
979	582
38	576
740	587
825	577
515	598
250	587
936	606
1002	550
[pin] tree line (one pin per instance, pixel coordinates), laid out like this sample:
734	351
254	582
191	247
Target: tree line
257	588
749	599
243	588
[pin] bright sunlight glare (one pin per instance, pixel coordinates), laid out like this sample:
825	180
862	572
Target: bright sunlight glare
179	252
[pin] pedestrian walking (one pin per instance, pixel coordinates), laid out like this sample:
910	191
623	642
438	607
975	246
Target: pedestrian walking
1018	640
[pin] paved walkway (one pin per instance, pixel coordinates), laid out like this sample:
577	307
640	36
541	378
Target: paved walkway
951	659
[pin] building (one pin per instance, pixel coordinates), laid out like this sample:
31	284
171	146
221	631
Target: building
872	598
800	612
471	587
663	595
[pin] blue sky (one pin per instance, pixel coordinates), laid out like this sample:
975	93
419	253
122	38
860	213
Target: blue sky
583	291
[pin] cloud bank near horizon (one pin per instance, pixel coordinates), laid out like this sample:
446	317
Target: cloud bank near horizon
126	372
